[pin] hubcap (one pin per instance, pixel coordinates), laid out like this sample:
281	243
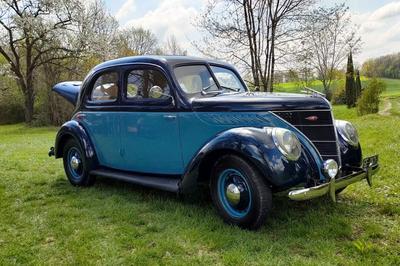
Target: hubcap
75	162
233	194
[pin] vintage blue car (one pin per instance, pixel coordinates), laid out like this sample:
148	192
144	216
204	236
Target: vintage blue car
173	122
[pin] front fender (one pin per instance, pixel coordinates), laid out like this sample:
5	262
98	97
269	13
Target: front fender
256	146
72	129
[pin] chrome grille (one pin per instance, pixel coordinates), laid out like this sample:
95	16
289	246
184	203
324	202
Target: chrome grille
317	125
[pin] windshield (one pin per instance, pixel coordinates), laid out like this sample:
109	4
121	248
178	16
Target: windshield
197	79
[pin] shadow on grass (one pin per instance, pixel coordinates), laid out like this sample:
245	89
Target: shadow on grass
318	219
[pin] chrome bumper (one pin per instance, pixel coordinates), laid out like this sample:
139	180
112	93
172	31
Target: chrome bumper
369	167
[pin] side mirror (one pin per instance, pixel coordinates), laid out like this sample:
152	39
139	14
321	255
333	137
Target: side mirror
156	92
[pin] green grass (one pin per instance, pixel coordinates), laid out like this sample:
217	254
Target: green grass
393	86
44	220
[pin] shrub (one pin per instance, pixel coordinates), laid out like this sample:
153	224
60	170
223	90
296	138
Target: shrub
11	106
339	94
369	100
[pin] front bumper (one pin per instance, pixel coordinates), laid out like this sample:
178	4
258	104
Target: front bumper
369	167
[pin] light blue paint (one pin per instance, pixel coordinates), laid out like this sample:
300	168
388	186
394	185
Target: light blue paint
104	131
165	143
150	142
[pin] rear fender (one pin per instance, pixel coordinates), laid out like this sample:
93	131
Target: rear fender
72	129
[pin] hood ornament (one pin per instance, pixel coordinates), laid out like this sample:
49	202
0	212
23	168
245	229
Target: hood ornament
312	118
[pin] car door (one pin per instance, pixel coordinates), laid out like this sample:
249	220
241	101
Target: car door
100	116
149	123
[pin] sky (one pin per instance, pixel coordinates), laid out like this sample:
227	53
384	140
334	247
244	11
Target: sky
378	21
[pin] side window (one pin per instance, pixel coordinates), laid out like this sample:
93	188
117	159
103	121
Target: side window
147	84
105	88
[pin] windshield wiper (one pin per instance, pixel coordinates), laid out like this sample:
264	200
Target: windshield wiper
230	89
205	91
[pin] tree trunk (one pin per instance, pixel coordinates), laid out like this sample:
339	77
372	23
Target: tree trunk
29	105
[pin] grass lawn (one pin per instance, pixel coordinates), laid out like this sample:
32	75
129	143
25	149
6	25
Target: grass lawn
392	89
44	220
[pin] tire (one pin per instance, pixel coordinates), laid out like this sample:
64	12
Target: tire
233	176
78	173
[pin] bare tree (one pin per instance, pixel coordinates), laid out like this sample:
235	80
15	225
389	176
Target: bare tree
331	36
172	47
34	33
98	31
139	41
253	32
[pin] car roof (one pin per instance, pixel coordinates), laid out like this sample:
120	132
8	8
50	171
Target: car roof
168	60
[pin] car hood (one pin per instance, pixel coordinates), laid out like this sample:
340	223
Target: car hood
259	101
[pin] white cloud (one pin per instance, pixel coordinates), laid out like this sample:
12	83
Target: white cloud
380	31
171	17
387	11
127	8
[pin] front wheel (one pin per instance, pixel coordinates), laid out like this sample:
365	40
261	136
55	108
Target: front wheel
75	164
239	193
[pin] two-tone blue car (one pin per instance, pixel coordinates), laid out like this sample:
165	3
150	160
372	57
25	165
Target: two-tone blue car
173	123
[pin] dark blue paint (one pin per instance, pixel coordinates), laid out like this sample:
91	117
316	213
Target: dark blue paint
69	90
351	156
73	129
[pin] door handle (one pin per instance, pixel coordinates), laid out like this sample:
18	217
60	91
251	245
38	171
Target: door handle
170	117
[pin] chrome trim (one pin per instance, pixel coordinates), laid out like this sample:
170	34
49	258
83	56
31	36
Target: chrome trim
75	162
278	144
336	183
233	194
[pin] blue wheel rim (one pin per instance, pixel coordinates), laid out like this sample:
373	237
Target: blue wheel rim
232	176
75	173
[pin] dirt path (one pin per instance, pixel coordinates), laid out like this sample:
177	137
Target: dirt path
386	109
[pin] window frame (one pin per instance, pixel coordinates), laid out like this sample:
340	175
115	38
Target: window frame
93	81
191	95
146	102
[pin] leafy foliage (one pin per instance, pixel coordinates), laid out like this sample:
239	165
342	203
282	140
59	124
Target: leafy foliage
387	66
369	101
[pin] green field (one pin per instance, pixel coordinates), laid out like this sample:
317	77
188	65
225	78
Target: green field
44	220
393	86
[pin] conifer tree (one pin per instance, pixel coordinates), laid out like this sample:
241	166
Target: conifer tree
350	90
357	86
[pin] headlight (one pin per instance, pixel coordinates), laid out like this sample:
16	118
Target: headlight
287	143
331	168
348	132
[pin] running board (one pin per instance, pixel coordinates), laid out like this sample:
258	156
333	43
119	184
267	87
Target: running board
163	183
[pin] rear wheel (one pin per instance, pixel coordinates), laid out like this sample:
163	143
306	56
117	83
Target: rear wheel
239	193
75	164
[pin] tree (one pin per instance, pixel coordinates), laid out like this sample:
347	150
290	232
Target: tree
387	66
34	33
138	41
172	47
357	86
254	33
350	85
330	35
